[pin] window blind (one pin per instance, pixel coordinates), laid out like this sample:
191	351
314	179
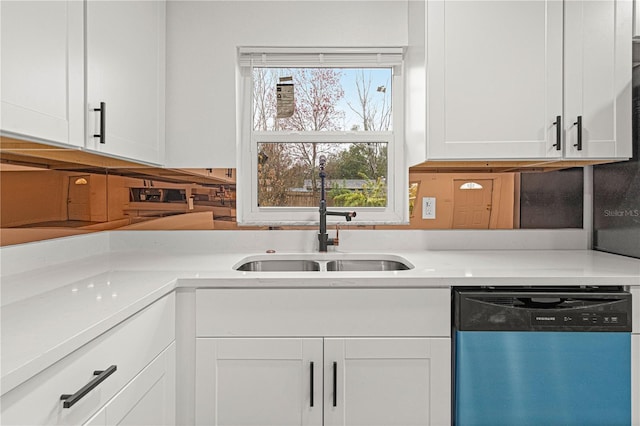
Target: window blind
315	57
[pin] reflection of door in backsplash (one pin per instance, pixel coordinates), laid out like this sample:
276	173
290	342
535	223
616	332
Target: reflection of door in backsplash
472	203
79	198
486	200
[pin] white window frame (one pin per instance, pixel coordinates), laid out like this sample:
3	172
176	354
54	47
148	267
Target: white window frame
248	211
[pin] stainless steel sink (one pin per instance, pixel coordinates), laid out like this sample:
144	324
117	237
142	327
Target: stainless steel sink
323	262
279	265
366	265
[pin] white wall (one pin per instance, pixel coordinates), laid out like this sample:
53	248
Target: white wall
202	38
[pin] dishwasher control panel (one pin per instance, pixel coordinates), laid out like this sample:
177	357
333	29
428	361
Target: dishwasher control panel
582	310
578	319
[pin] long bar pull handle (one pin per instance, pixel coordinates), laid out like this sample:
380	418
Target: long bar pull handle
103	121
558	124
101	375
578	124
335	384
311	384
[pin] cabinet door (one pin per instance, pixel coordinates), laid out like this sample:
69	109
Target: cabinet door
259	381
42	70
149	399
636	19
125	69
387	382
598	78
494	84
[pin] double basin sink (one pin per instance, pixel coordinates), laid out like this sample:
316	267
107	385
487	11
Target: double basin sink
332	262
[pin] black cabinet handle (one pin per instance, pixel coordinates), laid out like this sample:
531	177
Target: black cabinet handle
70	400
103	120
335	384
311	384
558	124
578	125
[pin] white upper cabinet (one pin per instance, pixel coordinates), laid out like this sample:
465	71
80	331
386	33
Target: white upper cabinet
126	72
499	85
494	78
636	19
597	79
42	70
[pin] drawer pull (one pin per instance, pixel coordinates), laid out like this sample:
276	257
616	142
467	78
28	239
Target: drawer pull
335	384
101	375
311	384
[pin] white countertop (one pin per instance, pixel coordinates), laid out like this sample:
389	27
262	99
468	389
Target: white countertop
49	312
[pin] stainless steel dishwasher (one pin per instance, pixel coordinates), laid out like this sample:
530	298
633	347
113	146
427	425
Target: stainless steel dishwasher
542	356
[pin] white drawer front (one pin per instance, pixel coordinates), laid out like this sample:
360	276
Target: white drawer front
323	312
130	346
148	399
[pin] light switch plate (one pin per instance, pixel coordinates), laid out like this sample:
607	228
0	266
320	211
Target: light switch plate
428	207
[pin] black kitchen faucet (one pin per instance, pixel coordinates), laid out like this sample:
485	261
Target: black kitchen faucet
323	238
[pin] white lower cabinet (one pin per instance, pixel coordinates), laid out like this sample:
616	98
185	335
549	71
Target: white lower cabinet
301	381
147	400
385	381
323	357
140	390
258	381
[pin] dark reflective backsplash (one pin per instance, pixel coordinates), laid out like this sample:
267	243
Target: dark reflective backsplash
551	200
616	187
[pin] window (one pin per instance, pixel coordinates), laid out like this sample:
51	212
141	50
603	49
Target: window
297	105
471	185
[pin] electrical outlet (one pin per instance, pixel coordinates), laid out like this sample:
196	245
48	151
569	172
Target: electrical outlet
428	207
